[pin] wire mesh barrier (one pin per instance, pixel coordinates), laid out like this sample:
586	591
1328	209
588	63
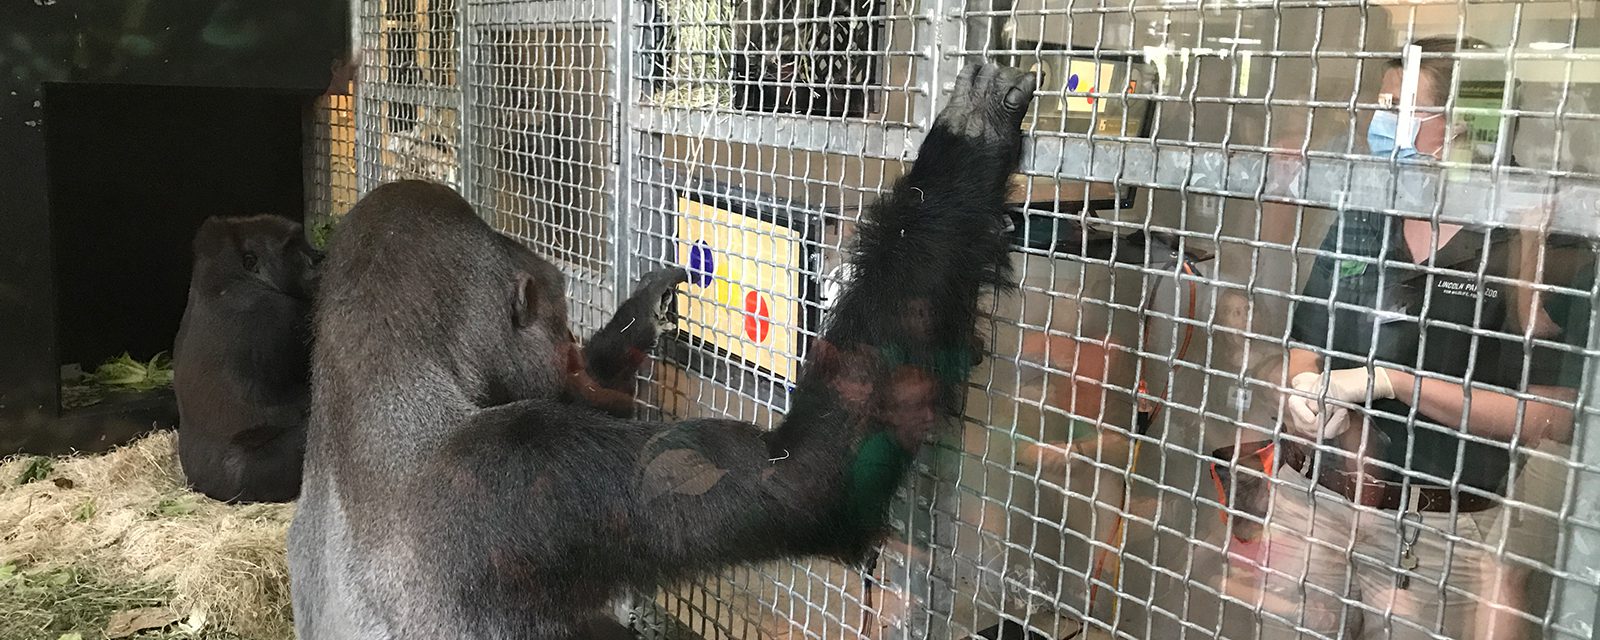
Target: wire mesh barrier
330	161
541	107
1303	339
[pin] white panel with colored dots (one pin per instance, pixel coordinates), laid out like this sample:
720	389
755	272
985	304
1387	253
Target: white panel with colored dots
1088	79
743	295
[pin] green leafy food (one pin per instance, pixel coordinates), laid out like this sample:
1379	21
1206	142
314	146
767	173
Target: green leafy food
322	231
85	512
174	507
38	469
126	373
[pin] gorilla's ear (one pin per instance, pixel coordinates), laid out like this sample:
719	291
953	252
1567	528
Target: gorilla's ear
525	306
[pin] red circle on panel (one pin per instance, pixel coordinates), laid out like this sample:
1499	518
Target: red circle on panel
756	324
1091	98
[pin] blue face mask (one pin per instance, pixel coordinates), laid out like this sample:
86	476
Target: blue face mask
1383	134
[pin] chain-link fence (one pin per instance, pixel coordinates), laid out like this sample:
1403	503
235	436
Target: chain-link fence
1301	341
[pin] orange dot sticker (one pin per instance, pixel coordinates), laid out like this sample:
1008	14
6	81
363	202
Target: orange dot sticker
756	316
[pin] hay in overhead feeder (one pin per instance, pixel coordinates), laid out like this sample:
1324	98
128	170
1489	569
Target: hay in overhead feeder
700	48
125	518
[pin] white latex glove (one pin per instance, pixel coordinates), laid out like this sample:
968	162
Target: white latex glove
1350	385
1304	416
1344	385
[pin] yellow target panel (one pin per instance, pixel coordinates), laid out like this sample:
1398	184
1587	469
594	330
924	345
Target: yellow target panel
746	295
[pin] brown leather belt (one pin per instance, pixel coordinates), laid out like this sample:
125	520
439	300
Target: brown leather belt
1367	491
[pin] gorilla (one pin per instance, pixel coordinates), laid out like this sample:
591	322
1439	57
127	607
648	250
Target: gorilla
455	487
241	362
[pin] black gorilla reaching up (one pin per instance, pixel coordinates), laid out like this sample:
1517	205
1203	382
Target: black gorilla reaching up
241	363
451	493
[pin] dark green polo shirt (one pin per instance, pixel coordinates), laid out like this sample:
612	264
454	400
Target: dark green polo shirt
1368	299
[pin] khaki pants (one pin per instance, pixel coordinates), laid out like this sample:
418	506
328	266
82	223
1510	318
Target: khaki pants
1329	569
1535	535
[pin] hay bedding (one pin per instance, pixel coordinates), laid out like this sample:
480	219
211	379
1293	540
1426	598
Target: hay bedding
87	538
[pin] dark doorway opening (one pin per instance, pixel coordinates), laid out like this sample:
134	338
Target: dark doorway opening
133	170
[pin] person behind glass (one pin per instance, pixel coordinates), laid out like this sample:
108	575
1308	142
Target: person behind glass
1403	353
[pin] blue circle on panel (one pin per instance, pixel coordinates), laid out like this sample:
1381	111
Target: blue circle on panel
701	264
1072	82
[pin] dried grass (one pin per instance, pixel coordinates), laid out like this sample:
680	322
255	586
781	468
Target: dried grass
125	516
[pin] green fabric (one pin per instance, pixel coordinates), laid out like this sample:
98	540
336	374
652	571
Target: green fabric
879	465
1079	431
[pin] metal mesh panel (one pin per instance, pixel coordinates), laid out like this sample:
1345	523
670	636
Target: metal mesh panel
1267	106
409	95
331	159
838	58
1201	218
542	141
765	126
523	129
